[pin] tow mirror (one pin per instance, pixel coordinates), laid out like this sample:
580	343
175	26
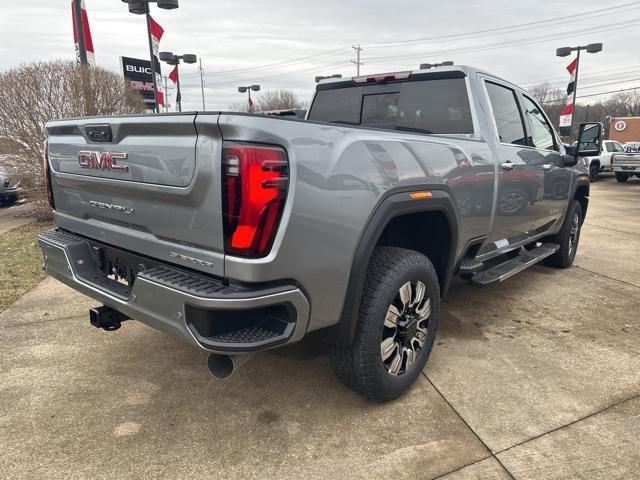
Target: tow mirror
589	140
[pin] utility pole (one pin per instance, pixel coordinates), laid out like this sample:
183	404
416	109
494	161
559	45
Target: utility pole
79	24
202	83
357	61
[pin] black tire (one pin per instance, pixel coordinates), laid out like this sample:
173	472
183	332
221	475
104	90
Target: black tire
622	177
594	170
568	238
360	366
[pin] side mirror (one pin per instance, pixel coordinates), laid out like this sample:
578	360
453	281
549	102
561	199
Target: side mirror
589	140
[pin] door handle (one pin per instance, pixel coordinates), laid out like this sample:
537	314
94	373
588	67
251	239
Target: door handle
508	166
546	167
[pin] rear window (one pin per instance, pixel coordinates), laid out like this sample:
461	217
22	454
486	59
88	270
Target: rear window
428	106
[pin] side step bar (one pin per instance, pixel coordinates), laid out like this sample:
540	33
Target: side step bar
509	268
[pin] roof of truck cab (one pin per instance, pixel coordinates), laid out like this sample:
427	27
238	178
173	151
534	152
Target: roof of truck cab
465	69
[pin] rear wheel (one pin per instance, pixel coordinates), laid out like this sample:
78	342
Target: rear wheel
568	238
622	177
396	325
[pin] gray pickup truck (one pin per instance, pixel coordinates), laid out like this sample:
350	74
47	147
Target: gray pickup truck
8	191
625	165
243	232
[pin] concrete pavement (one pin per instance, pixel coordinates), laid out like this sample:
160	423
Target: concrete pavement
15	216
537	378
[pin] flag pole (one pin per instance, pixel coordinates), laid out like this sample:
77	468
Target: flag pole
575	89
153	61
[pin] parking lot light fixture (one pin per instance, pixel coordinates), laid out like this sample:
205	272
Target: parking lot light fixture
248	89
565	52
427	66
171	58
319	78
141	7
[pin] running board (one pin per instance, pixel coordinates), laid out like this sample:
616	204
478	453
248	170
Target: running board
509	268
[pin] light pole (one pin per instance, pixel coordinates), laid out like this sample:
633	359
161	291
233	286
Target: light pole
141	7
248	89
565	52
172	59
427	66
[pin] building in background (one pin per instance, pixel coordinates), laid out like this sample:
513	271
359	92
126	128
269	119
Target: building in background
624	129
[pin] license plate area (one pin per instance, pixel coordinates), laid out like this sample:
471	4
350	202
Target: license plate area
628	168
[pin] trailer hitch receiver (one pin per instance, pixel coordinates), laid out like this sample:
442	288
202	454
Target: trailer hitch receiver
106	318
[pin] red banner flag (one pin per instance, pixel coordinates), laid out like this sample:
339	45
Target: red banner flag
156	35
566	115
173	76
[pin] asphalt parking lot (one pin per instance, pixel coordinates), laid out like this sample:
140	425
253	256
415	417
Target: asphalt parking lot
536	378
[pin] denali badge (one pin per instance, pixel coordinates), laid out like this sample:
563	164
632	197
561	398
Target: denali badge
190	259
102	161
112	207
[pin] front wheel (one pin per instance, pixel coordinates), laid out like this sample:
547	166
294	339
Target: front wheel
594	170
568	238
622	177
396	325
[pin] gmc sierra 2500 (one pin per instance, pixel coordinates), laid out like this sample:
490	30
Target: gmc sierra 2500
242	232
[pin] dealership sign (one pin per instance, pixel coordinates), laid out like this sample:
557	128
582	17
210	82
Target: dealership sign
138	73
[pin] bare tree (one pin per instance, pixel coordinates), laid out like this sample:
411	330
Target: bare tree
31	95
551	99
622	104
271	100
279	100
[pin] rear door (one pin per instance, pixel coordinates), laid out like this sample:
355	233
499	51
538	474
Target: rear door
520	180
149	184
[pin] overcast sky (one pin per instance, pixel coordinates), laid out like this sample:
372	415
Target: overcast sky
285	43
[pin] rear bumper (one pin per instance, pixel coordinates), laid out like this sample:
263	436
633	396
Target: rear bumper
632	168
200	309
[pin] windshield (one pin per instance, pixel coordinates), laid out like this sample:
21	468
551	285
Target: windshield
429	106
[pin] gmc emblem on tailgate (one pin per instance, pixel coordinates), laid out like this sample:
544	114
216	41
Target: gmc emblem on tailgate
102	161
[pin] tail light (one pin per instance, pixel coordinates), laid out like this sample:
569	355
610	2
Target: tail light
47	173
254	189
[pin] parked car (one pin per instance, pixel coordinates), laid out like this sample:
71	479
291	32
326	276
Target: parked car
258	231
8	191
602	162
626	165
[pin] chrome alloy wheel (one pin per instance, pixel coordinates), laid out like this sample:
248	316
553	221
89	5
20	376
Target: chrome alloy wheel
574	234
405	327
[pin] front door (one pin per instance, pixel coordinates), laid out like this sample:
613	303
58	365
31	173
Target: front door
545	156
520	179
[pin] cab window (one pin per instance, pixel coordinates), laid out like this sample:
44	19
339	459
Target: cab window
506	114
541	132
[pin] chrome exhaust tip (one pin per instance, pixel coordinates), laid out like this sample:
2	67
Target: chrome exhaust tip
224	366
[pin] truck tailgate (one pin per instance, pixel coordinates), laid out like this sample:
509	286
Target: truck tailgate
149	184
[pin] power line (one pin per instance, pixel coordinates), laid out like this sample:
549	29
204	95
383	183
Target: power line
520	26
341	50
610	92
503	44
600	75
